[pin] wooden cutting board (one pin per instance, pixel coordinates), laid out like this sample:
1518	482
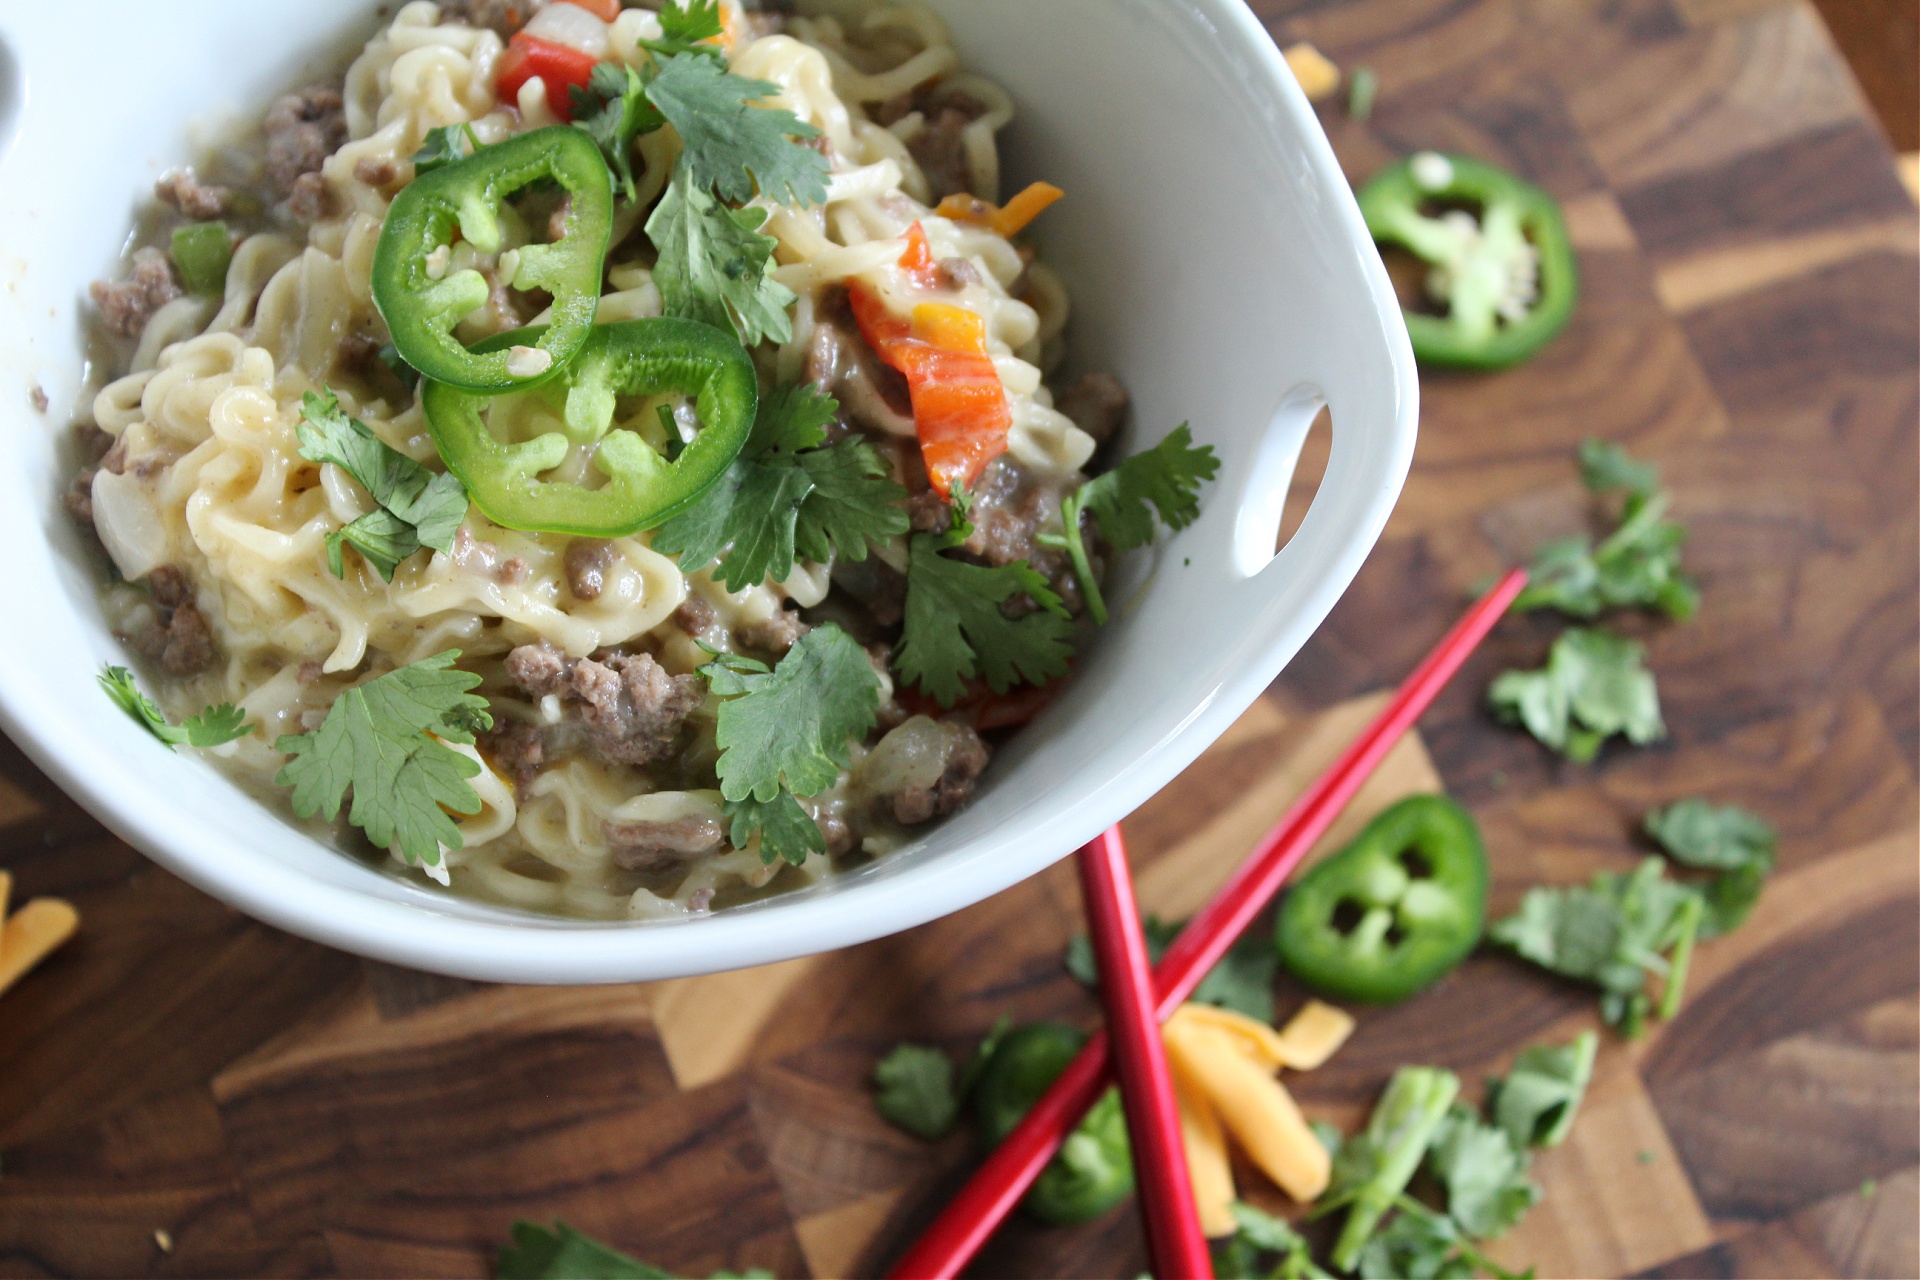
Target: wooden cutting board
184	1091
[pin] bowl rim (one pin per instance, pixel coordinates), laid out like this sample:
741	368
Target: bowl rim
539	949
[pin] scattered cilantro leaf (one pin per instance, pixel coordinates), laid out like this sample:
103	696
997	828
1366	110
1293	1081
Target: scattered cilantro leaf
786	731
417	507
382	740
1247	1253
1593	686
916	1092
1610	934
1605	466
714	266
1242	981
686	28
784	496
1485	1175
613	110
1420	1244
561	1253
448	144
954	628
1637	565
1165	478
1740	847
730	146
211	728
1538	1098
1372	1168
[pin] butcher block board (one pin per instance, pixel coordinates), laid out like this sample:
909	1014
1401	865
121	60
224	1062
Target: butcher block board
183	1091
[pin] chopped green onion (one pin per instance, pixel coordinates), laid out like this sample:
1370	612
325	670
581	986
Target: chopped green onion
202	251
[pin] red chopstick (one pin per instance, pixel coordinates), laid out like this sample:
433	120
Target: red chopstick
1174	1240
997	1185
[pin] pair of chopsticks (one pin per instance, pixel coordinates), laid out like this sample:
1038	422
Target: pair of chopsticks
1138	1000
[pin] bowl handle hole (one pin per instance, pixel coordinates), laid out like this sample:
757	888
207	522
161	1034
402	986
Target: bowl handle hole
1284	478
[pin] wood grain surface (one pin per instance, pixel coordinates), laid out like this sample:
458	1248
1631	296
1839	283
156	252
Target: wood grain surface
184	1091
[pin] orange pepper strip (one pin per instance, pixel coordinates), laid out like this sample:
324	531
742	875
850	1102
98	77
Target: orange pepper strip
960	409
1008	220
918	261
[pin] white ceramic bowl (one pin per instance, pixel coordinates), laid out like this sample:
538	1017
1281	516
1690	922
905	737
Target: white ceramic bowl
1218	264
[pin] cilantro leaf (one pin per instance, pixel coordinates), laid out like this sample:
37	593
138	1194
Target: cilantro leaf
1372	1168
730	146
786	731
714	266
954	628
1538	1098
1637	565
748	516
1165	478
684	28
1610	934
785	827
1714	837
1485	1175
916	1092
1257	1234
1242	981
1420	1244
562	1253
216	725
382	740
417	507
613	110
448	144
1592	687
211	728
784	496
854	504
1738	845
1605	466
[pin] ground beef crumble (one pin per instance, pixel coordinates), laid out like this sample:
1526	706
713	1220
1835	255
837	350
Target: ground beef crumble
302	130
126	305
631	709
503	16
1097	403
587	562
181	640
180	189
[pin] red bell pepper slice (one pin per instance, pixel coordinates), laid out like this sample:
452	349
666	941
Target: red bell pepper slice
960	409
560	66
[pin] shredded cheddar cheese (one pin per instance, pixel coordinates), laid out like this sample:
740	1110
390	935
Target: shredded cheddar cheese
1313	1035
31	934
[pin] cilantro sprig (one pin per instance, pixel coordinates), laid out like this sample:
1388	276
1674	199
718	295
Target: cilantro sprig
1738	846
386	742
954	628
1263	1245
211	728
714	265
1540	1095
1595	685
1165	478
1612	934
784	732
785	496
417	508
1637	565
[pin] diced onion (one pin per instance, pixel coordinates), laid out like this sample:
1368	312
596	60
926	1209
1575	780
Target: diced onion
570	25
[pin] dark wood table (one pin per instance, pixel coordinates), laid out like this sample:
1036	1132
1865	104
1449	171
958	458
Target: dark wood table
183	1091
